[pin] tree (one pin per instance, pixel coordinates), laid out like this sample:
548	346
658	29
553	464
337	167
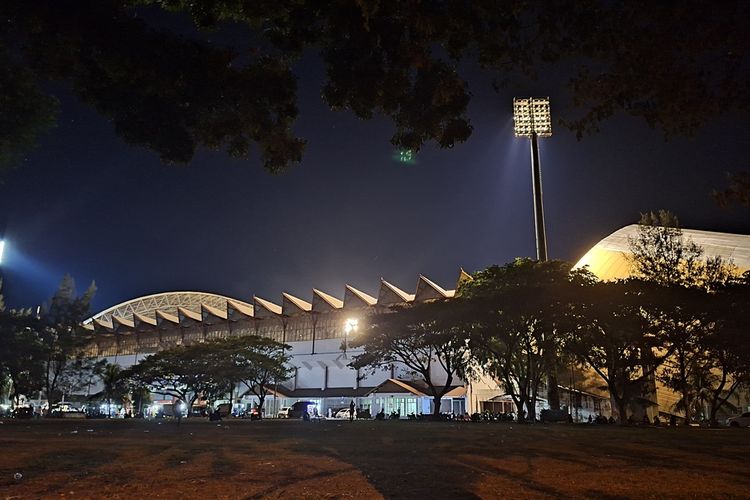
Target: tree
63	335
737	192
661	254
255	361
184	372
402	59
519	328
726	351
79	373
426	338
22	352
114	384
617	338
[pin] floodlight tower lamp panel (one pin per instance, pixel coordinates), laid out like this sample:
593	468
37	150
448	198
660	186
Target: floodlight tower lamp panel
532	115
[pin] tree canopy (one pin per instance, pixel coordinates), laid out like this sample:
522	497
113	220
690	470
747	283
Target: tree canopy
212	369
424	339
183	372
173	93
662	254
257	362
42	351
519	324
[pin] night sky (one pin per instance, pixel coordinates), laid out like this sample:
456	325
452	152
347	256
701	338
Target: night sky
86	203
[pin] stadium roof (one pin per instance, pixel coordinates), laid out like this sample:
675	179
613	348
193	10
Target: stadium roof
184	307
608	259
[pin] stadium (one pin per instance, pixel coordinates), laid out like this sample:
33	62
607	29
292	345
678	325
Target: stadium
318	331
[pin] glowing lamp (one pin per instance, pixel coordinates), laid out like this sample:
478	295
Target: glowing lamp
351	325
531	116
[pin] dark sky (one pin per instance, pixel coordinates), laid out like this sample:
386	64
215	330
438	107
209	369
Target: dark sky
86	203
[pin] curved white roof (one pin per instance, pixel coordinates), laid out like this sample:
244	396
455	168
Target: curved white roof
168	302
608	258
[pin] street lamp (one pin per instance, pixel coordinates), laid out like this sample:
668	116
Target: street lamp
2	247
350	325
532	119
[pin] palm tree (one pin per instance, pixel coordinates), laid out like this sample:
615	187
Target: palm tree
114	383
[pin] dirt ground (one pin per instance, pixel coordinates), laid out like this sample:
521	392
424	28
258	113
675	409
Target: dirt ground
367	459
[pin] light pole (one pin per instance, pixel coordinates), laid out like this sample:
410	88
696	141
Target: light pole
532	119
2	248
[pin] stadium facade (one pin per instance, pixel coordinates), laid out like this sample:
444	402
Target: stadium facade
316	331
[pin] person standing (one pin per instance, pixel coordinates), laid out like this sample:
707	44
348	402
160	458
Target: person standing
351	411
177	410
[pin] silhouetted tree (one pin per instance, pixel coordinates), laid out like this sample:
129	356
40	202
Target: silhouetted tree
184	372
63	335
662	254
22	352
737	192
618	338
426	338
725	356
114	384
257	362
520	324
400	59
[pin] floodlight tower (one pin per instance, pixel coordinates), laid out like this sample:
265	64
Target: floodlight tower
532	119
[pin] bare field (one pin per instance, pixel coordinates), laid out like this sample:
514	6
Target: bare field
367	459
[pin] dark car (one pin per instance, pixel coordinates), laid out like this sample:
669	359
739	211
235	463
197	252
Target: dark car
23	412
299	409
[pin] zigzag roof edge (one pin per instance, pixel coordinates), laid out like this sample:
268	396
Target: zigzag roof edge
141	308
144	319
167	317
183	312
122	322
364	297
213	311
442	291
247	310
300	304
268	305
329	299
407	297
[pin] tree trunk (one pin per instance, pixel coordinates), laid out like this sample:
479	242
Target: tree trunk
261	402
436	407
685	389
712	419
521	409
531	417
553	392
621	410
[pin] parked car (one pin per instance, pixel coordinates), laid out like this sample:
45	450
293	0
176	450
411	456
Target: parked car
224	409
299	409
740	421
64	410
23	412
343	413
284	412
253	414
